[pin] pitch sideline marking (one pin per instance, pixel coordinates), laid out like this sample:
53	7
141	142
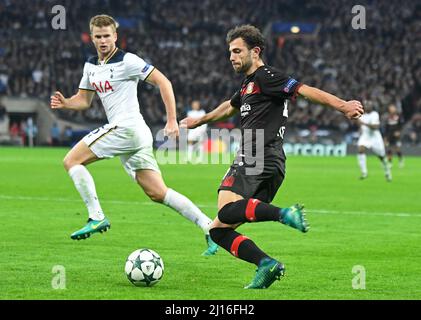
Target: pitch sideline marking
143	203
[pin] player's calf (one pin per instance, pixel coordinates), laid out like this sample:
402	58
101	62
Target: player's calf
253	210
238	245
248	210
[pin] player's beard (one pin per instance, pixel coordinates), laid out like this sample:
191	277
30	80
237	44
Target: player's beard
245	66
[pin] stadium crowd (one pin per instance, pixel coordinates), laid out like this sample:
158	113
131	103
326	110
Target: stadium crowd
185	39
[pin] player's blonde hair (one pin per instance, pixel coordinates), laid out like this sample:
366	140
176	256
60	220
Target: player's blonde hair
103	20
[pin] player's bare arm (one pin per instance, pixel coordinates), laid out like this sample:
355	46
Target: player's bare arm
351	109
224	111
167	94
80	101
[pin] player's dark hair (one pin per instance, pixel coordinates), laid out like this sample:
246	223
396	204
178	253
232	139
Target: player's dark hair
250	34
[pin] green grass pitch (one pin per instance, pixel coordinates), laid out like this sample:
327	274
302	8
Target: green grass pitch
369	223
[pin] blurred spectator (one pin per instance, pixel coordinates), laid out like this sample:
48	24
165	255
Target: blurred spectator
3	112
186	40
31	131
67	136
15	133
55	135
413	133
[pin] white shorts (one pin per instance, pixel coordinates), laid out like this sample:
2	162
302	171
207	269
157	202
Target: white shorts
132	144
375	143
196	134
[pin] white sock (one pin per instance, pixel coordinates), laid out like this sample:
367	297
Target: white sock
189	152
84	183
362	161
386	167
195	152
186	208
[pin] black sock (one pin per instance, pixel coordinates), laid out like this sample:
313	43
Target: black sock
248	210
237	244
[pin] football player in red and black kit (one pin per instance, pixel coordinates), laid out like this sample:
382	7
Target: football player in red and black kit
252	181
393	134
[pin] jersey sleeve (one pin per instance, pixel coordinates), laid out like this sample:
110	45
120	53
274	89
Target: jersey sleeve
236	100
276	84
136	67
84	82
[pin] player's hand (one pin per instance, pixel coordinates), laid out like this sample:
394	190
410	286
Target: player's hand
171	129
188	123
57	101
353	109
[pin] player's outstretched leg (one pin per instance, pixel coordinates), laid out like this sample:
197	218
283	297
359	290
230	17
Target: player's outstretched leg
187	209
400	157
152	183
84	183
253	210
212	246
91	227
362	162
268	269
267	272
387	168
389	154
295	217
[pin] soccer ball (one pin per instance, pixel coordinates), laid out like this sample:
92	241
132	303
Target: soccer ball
144	268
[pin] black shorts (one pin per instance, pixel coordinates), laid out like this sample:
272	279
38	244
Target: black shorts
263	186
393	141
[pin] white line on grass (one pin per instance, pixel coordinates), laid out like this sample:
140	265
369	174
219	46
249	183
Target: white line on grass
147	203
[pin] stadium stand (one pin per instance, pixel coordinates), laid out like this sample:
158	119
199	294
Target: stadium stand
185	39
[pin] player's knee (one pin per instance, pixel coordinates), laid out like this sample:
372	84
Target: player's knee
224	213
155	195
227	214
218	224
68	162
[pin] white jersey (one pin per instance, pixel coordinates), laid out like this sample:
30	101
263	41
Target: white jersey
371	118
371	138
195	114
115	81
196	133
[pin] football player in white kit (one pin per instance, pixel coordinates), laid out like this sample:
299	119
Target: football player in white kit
195	136
114	76
371	138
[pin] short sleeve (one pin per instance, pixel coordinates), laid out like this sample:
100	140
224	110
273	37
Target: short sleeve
275	84
236	100
84	82
136	67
